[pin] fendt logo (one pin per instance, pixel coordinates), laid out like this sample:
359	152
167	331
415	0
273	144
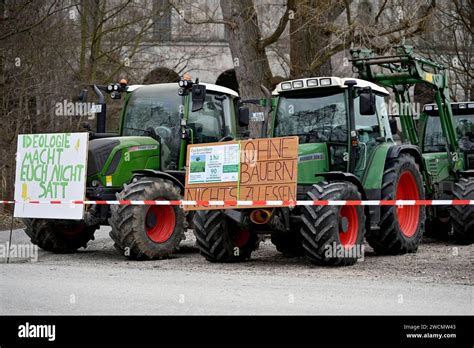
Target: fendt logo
37	331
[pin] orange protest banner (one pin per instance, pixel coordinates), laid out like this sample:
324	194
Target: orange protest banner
255	169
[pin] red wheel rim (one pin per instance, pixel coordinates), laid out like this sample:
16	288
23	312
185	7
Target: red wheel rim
408	215
348	233
160	221
240	237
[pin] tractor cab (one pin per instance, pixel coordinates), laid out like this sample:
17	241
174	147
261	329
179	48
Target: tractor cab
161	111
432	138
157	123
339	121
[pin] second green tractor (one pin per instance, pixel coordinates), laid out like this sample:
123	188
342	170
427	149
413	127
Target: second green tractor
349	149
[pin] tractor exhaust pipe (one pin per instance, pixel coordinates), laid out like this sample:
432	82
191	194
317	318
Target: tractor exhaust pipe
261	216
101	128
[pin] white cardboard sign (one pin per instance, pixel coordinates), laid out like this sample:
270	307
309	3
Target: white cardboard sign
51	167
218	163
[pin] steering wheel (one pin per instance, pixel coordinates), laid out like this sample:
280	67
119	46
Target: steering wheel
164	132
227	138
339	132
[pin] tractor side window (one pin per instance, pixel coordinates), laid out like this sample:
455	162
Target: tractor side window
465	131
367	126
208	124
434	140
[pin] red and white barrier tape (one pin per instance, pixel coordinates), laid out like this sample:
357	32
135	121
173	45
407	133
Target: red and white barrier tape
253	203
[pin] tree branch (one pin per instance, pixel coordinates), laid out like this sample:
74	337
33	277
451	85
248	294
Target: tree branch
280	28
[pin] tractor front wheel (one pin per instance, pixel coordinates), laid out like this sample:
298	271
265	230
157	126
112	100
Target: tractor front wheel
59	236
221	239
147	232
401	228
462	216
333	235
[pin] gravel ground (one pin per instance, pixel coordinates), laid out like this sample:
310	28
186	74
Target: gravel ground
436	280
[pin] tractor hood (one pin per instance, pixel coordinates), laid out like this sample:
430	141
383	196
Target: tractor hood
312	158
112	161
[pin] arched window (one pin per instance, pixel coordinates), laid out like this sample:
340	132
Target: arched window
228	79
161	75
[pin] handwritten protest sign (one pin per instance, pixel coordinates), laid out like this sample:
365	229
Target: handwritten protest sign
250	170
51	167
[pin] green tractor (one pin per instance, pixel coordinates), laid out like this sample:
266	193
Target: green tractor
444	135
346	152
144	161
446	222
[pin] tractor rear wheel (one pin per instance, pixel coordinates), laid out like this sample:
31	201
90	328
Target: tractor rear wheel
462	216
59	236
401	228
288	244
147	232
221	239
333	235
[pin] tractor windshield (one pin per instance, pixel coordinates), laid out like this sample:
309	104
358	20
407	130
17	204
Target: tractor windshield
434	140
320	118
157	107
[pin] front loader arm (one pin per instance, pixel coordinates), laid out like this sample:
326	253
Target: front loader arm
401	71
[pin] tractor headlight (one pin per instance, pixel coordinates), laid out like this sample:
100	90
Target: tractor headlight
428	107
298	84
286	86
325	82
312	83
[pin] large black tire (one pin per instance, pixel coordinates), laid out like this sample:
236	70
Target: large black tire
401	229
143	232
328	228
462	216
220	239
59	236
288	244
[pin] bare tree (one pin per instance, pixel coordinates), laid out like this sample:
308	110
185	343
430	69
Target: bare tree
450	42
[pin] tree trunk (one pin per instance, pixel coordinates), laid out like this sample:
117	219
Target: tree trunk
310	37
250	60
84	36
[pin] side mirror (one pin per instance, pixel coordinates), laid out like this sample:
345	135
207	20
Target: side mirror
367	102
244	117
83	95
393	125
198	96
